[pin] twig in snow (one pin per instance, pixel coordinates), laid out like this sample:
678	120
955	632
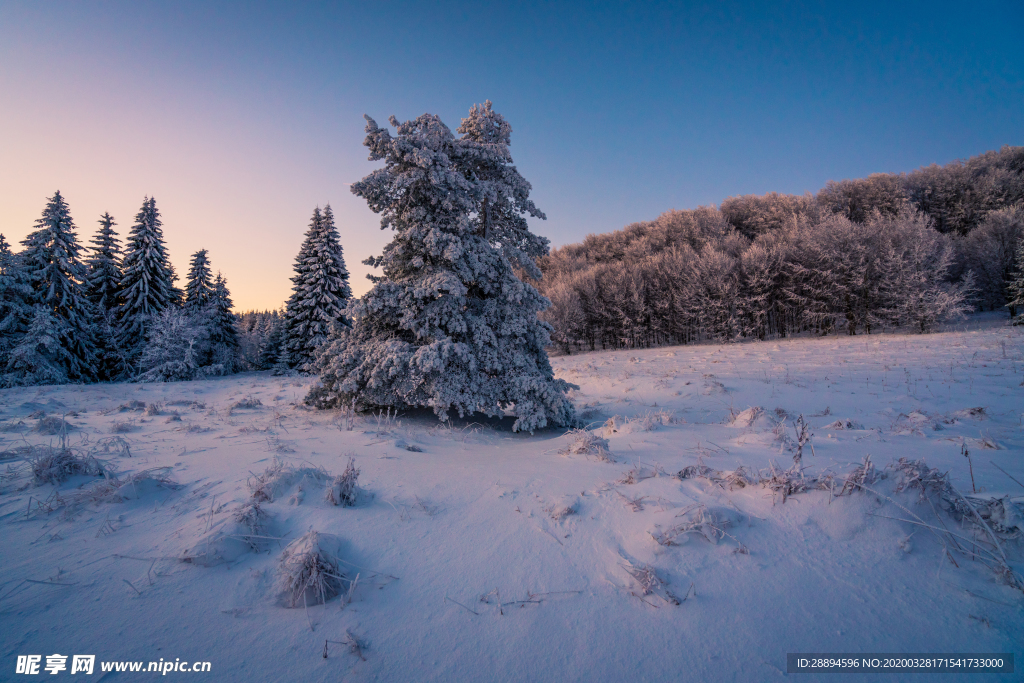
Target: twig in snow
461	605
1007	474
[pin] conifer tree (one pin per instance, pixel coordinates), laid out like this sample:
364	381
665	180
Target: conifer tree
15	294
449	325
102	285
104	266
271	332
57	277
198	284
42	355
320	292
147	286
221	322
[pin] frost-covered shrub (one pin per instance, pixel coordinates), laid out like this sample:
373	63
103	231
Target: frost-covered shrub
177	347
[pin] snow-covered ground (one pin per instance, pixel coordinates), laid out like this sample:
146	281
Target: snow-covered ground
487	555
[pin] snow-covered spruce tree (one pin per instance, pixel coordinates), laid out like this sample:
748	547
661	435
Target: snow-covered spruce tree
198	283
15	294
42	355
147	286
320	292
224	344
104	266
57	276
449	325
102	284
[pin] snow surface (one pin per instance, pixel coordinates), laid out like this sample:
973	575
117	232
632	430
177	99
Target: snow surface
487	555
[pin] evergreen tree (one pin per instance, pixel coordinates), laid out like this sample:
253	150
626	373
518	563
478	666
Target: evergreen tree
57	277
198	284
42	355
271	333
449	326
104	266
221	322
15	294
103	280
320	292
147	286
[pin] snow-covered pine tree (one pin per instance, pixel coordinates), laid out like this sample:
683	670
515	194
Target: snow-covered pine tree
15	294
198	284
1016	288
320	292
449	326
57	276
104	266
221	322
103	279
42	355
271	333
147	286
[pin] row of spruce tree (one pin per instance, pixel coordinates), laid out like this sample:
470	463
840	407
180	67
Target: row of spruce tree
108	314
890	251
70	313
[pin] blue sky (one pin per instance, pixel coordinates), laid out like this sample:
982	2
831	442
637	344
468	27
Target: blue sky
241	117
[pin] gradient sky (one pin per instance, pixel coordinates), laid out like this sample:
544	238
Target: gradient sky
240	118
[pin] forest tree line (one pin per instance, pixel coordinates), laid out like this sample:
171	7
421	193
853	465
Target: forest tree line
890	251
70	313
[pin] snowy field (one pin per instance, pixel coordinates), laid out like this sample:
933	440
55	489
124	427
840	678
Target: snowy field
487	555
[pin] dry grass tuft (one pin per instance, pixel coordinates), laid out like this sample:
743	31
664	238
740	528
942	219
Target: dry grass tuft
841	425
562	509
585	442
52	425
251	517
309	571
113	445
12	426
56	465
699	521
122	426
344	490
638	473
247	403
194	405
